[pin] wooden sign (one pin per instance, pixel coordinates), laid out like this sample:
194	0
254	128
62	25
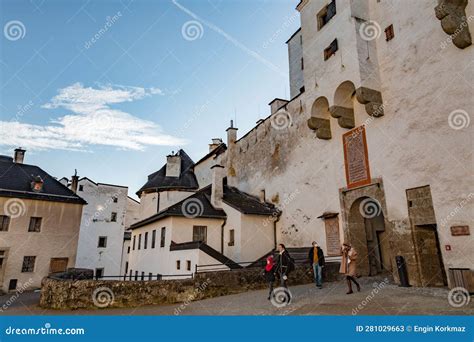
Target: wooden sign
460	230
356	157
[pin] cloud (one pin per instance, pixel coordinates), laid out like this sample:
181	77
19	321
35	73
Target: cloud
91	122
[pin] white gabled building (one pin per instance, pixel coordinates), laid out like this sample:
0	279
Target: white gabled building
199	220
104	219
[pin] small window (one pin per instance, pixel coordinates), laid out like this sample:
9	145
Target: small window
302	64
200	233
12	285
99	273
28	264
153	238
389	34
126	267
133	243
2	257
188	265
113	217
81	187
231	237
145	242
35	224
136	275
4	223
139	241
330	50
131	274
326	14
301	39
178	264
143	275
128	250
115	199
102	242
163	236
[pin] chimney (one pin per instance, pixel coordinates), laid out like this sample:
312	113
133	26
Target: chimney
217	190
173	165
262	196
74	182
19	155
231	150
277	104
215	143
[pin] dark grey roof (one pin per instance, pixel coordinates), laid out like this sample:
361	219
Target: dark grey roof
15	181
186	180
247	204
198	203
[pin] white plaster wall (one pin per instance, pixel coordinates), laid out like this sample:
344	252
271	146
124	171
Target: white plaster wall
168	198
148	204
203	172
412	145
96	221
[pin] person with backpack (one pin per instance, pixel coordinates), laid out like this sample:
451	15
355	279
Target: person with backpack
285	264
316	260
269	274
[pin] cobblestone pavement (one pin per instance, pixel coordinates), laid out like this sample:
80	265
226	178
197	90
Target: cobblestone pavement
373	299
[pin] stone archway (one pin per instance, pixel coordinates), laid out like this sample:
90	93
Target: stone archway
366	227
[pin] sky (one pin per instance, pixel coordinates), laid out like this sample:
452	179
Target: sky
111	87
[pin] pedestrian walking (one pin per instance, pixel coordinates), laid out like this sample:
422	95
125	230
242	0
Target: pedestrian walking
348	266
269	273
317	262
285	264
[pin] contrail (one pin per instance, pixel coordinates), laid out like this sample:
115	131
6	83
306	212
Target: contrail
229	38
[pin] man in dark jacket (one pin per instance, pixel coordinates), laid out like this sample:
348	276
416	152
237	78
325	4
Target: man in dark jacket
316	260
284	264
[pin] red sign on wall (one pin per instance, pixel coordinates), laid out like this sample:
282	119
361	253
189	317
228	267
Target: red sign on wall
356	157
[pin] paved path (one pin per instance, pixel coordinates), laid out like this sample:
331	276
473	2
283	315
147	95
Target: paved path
307	300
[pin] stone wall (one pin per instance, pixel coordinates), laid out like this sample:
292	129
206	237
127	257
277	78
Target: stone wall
85	294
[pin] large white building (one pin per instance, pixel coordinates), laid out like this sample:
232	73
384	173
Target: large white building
374	147
109	211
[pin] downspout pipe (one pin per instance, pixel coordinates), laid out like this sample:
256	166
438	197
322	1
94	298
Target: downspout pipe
222	235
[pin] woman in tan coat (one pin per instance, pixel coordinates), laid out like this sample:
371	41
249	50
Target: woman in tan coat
348	265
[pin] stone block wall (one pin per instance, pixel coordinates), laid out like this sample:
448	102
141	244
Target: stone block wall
86	294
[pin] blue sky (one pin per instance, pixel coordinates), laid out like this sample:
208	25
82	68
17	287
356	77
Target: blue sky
111	87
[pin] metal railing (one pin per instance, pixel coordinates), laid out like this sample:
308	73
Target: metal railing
145	277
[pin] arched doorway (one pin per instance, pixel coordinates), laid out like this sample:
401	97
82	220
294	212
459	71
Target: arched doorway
367	234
